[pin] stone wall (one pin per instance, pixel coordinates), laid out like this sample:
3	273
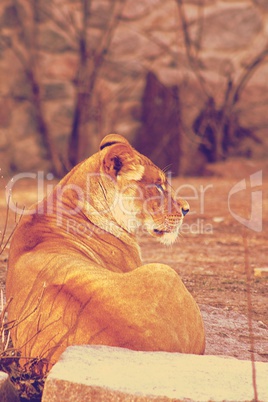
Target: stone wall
49	63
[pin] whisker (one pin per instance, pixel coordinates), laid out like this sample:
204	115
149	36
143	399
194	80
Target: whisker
166	168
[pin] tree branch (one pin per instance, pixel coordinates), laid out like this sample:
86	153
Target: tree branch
29	65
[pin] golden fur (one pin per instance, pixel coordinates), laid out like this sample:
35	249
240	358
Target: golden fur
75	275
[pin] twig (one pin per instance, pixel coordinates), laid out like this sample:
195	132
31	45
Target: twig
189	44
65	22
3	246
3	242
249	315
5	339
5	224
39	300
250	70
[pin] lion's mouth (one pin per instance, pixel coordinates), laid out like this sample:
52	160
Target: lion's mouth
167	234
160	232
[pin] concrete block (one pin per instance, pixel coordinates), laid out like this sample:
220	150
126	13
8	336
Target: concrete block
7	391
101	373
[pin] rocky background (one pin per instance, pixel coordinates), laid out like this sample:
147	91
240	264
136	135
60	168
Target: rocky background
185	81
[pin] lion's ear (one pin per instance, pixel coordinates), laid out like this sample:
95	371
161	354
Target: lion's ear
112	139
121	160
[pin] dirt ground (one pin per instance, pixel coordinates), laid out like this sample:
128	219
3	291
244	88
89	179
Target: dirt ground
217	255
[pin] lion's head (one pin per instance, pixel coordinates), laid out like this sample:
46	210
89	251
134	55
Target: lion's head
138	192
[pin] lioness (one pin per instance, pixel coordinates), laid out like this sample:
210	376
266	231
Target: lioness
75	274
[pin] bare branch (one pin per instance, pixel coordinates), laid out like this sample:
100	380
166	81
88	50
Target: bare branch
65	22
89	69
247	75
190	48
3	242
29	62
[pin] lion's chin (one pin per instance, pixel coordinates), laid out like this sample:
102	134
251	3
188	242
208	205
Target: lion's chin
165	237
168	238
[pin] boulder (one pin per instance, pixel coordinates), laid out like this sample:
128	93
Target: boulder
100	373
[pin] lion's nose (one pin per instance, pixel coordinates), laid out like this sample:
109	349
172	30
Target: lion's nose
184	206
185	211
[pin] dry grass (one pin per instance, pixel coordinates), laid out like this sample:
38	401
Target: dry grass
26	374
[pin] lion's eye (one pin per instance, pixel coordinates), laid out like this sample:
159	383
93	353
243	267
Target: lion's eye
160	188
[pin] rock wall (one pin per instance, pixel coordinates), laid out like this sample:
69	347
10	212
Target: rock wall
50	64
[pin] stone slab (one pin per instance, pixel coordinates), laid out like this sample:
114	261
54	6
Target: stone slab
101	373
7	391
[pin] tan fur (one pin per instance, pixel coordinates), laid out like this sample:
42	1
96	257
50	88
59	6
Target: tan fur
75	275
